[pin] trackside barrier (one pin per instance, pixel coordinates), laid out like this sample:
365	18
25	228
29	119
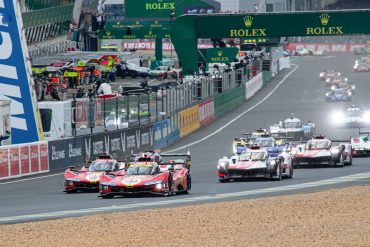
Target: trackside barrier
253	86
120	144
207	112
331	48
189	121
229	100
164	133
23	159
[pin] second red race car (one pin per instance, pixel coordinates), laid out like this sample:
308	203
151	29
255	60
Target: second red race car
88	177
149	173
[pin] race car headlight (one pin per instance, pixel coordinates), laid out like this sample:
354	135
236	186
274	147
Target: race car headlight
160	185
155	182
327	94
335	151
332	87
345	79
338	117
322	74
293	152
272	162
349	93
69	182
353	87
327	80
223	165
367	117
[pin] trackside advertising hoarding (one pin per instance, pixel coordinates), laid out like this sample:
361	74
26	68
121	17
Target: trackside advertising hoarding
207	112
23	159
164	134
15	75
119	144
253	86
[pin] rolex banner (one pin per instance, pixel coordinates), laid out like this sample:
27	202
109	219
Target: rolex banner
218	55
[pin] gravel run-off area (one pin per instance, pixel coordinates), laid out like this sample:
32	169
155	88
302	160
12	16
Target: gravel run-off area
336	217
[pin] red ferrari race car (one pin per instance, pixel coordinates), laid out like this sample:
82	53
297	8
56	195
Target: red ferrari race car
88	177
149	174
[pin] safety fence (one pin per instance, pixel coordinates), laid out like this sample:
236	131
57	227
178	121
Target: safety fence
330	48
82	116
48	50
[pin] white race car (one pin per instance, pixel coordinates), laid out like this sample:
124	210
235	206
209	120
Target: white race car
361	145
353	117
319	151
254	162
294	128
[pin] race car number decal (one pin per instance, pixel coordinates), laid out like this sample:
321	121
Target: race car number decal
93	177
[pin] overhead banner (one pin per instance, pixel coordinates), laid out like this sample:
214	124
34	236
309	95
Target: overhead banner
16	75
219	55
162	8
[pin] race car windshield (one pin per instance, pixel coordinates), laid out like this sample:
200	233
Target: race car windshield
292	125
353	113
101	166
139	170
317	145
252	156
264	143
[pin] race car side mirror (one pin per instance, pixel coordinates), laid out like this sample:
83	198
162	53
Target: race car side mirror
72	168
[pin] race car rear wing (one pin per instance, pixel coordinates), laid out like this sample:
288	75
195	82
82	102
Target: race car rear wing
186	157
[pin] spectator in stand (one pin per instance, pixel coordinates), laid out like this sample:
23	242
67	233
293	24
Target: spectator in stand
4	137
104	88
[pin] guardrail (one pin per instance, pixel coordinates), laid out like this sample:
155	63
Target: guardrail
53	49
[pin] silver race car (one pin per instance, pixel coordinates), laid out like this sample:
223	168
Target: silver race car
353	117
293	127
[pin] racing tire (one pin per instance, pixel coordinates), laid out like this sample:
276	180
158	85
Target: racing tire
170	188
349	163
133	74
188	184
279	174
291	172
341	161
294	164
107	196
224	180
71	191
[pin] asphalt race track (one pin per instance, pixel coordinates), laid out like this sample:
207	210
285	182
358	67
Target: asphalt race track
302	93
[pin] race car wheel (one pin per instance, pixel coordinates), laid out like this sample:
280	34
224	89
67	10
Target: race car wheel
71	191
188	184
107	196
133	74
170	188
341	161
350	161
223	180
278	174
294	164
291	172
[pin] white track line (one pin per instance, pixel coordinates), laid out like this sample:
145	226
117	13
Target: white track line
196	142
28	179
178	201
240	115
